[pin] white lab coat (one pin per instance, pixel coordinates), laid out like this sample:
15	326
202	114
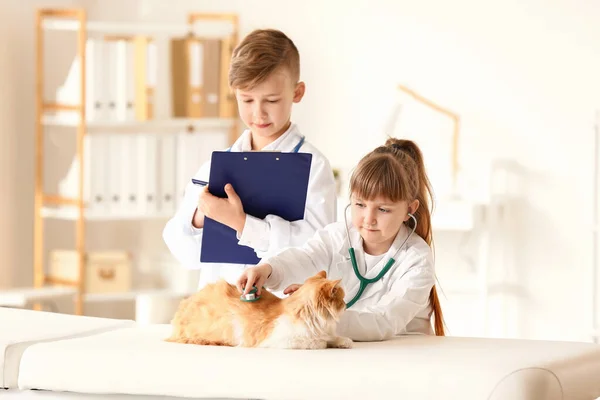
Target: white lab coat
395	305
266	236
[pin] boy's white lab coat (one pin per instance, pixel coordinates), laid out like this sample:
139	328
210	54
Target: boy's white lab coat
396	304
265	236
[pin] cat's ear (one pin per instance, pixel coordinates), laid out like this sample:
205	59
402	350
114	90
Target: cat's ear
321	274
335	286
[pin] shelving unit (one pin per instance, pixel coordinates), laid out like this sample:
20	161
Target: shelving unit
54	114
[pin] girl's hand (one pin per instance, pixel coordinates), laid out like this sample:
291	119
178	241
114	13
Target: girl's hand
255	276
291	289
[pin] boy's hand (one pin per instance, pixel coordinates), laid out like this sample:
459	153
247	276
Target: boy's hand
254	276
291	289
198	219
228	211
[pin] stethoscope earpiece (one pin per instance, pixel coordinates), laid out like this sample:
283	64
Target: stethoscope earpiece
414	220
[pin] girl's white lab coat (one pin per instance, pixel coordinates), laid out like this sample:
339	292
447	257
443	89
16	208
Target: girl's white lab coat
265	236
396	304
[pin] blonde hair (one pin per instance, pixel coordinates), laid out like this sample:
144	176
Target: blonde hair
260	54
396	171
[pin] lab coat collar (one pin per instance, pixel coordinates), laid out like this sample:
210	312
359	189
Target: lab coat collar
355	241
285	143
351	286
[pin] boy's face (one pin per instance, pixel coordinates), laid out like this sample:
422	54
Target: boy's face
266	108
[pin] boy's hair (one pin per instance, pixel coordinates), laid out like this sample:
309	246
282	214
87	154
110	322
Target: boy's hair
261	53
396	171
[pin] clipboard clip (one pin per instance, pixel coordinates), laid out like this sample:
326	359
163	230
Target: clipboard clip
199	182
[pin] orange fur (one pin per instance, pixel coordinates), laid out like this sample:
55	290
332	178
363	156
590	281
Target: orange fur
216	315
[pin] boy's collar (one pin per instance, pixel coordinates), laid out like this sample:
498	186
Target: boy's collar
286	142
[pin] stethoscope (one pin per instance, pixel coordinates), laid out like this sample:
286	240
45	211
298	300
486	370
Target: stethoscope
364	282
294	150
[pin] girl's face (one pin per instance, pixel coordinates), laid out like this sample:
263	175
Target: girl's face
379	220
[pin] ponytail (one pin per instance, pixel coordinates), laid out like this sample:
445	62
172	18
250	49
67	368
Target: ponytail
423	213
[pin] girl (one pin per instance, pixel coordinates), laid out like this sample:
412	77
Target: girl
391	224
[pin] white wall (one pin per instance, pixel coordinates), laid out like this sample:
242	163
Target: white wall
522	74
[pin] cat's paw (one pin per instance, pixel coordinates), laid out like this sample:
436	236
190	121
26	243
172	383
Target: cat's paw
341	342
305	344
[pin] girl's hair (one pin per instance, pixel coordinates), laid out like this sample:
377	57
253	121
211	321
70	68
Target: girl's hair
396	171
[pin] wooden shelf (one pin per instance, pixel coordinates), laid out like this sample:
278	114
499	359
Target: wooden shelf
456	223
179	124
22	297
454	215
71	214
130	295
216	29
466	285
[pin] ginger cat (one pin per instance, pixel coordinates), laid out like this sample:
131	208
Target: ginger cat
306	320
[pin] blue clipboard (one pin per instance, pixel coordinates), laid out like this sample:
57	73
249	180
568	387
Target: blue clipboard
267	183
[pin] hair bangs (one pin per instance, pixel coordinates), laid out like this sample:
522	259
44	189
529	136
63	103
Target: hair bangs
379	177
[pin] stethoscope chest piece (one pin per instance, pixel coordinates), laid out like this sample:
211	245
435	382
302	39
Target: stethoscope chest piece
251	296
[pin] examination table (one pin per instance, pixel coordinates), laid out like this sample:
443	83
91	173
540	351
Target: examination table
49	356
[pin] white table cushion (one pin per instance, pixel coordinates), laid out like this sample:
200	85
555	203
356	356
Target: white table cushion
138	361
20	329
22	297
16	394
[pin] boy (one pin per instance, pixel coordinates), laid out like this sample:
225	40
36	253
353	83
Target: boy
265	75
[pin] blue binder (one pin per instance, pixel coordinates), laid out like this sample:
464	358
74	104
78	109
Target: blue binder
267	183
